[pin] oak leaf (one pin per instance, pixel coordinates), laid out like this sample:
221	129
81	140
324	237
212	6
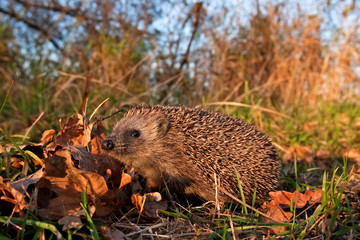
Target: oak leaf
60	187
74	132
47	136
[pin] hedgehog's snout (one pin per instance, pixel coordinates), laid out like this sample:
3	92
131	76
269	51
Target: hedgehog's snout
107	144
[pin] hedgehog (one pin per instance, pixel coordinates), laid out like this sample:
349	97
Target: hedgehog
185	148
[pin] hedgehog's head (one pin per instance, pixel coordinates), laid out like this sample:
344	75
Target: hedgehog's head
135	136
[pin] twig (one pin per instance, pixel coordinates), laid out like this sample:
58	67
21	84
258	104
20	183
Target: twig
196	11
145	229
32	125
111	115
168	193
232	228
31	25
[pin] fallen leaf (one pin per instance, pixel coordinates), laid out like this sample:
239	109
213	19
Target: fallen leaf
322	154
125	179
22	185
47	136
98	137
82	158
112	235
60	187
313	196
284	199
16	162
73	220
74	133
110	168
11	200
301	153
148	204
69	222
276	212
352	154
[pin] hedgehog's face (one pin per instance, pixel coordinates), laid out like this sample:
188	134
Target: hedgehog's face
133	137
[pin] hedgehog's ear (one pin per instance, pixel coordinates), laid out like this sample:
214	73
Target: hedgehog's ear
162	125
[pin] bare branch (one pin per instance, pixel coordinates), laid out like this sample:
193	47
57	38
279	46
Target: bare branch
31	25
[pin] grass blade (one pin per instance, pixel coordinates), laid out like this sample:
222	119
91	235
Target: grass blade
48	226
7	94
92	226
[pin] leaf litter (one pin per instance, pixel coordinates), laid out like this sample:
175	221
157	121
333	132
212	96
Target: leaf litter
69	169
74	162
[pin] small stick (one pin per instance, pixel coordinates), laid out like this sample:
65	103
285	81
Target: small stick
32	125
111	115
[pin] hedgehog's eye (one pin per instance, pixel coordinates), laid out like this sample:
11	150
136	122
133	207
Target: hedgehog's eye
135	133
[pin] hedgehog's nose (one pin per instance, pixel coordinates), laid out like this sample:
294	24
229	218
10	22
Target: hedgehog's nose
107	144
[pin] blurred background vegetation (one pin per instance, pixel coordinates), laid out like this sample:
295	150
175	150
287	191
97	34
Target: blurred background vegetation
290	67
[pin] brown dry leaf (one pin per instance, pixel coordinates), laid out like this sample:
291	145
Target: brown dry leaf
314	196
125	179
353	154
283	198
148	204
47	136
302	153
135	185
69	222
74	133
322	154
10	199
22	185
73	220
277	213
99	137
60	187
112	235
16	162
128	186
82	158
110	168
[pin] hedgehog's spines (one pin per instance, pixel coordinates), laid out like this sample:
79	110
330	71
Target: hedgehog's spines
199	143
